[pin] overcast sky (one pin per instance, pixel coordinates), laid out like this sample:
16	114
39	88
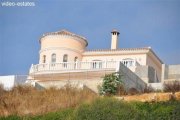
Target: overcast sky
154	23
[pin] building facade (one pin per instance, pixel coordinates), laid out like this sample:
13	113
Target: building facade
63	56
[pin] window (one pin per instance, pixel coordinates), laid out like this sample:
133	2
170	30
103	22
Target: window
53	58
75	59
97	64
65	59
44	58
128	62
75	63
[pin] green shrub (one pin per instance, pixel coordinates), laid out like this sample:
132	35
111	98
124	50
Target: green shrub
110	85
12	117
65	114
106	109
59	115
176	111
158	111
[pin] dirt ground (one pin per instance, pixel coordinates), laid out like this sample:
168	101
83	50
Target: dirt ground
150	97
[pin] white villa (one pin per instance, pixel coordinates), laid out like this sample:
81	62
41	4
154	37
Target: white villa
63	58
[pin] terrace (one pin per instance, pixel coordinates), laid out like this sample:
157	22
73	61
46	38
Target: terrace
64	67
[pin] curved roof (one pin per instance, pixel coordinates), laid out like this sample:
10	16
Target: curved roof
65	32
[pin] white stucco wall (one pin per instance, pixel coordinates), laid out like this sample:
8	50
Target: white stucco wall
170	73
174	69
59	55
61	45
156	86
153	62
140	58
7	81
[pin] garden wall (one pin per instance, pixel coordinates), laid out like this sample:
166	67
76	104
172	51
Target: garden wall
130	79
170	72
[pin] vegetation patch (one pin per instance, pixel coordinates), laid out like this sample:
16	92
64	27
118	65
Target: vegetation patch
26	100
172	86
111	84
108	108
69	103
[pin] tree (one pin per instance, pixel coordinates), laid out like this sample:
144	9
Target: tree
110	85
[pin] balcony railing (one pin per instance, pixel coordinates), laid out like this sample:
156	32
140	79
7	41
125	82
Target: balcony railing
71	66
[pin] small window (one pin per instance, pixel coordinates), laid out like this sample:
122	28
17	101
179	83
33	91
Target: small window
75	63
44	58
128	62
53	58
75	59
97	64
65	58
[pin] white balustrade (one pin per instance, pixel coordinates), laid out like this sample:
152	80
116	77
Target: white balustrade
68	66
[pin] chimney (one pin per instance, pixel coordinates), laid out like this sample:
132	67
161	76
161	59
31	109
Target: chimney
114	40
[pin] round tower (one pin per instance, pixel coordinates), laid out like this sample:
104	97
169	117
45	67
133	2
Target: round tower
61	46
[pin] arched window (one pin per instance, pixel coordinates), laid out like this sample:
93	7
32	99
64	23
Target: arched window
75	63
75	59
65	58
44	58
53	58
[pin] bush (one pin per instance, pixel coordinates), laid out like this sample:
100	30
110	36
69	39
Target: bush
176	111
106	109
133	91
12	117
158	111
172	86
65	114
148	89
121	90
110	84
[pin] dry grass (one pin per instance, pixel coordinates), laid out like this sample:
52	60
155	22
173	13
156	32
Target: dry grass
26	100
152	97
